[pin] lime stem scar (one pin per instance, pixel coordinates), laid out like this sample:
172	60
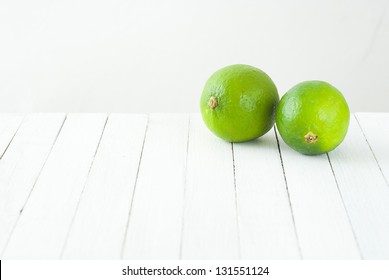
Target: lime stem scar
212	103
311	137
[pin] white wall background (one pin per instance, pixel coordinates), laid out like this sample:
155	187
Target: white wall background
155	56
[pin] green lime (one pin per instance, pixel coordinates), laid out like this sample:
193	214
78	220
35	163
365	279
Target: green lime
238	103
312	117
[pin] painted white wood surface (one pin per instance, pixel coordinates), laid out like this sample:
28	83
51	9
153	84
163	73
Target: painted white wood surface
322	224
364	191
9	124
101	219
210	228
266	224
21	165
98	189
43	225
155	221
375	127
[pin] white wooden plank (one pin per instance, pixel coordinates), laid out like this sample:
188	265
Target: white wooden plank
210	229
154	230
265	220
375	127
9	124
100	223
43	225
323	228
364	191
20	166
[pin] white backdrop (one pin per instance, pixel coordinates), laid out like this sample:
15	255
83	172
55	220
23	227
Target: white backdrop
155	56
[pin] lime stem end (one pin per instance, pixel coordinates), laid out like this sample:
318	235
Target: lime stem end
212	103
311	138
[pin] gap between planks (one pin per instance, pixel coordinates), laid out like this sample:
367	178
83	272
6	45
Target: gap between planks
287	191
345	208
133	192
14	130
34	181
371	149
83	188
236	201
155	220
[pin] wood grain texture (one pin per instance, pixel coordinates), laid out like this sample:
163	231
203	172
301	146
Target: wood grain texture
9	124
43	225
364	191
100	222
210	229
265	220
21	165
154	230
375	127
322	224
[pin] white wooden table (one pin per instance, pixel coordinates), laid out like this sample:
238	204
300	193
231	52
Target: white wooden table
92	186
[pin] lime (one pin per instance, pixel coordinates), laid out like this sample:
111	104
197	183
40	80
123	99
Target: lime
312	117
238	103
